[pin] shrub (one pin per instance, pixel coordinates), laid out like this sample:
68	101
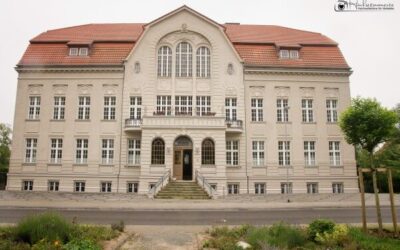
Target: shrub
319	226
338	236
49	226
81	244
286	236
118	226
47	245
369	242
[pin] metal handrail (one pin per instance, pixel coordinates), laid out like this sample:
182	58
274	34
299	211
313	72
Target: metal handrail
160	184
202	181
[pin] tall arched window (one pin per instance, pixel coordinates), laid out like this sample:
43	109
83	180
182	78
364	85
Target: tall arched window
203	62
158	151
164	61
207	152
183	60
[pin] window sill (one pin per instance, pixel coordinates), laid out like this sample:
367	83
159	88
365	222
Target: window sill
331	123
288	122
308	123
82	120
336	166
80	165
29	164
313	166
207	165
57	120
132	165
233	166
111	120
32	120
106	165
285	167
157	165
258	122
54	164
259	166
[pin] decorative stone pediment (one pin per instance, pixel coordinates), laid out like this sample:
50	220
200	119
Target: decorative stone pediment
307	92
35	89
257	91
60	89
110	89
84	89
282	91
332	92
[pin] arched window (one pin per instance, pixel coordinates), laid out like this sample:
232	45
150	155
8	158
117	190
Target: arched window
207	152
183	60
158	151
203	62
164	61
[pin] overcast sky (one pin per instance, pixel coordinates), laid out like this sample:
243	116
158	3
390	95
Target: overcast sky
370	41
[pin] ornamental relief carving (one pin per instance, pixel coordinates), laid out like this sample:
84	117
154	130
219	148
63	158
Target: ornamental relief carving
193	37
257	91
110	89
230	91
332	92
35	89
307	91
282	91
60	89
84	89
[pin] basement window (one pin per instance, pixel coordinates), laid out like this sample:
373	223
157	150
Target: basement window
75	51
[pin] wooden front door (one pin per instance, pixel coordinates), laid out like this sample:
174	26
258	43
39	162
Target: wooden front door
178	171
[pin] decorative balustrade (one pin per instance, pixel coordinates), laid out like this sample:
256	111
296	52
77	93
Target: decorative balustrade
202	181
133	124
163	181
234	125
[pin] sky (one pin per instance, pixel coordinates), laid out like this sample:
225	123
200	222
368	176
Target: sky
370	41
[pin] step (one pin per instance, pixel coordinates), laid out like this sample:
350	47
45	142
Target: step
182	197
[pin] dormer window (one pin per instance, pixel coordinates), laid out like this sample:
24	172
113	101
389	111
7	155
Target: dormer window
75	51
289	54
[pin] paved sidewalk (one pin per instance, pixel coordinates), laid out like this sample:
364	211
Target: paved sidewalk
138	202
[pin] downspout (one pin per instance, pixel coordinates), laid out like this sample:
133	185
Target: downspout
121	128
245	128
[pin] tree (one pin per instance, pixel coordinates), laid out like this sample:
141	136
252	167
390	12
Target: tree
5	141
367	124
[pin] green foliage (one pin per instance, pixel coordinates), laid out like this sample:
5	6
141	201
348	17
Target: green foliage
44	244
94	233
5	141
80	244
286	236
320	226
368	242
120	226
366	123
336	237
49	226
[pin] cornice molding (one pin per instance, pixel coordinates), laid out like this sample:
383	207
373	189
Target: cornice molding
300	71
68	69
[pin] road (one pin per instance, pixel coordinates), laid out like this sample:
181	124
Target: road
202	217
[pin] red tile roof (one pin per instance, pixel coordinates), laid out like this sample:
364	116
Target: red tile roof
111	43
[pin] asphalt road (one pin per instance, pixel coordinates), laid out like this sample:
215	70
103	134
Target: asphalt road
203	217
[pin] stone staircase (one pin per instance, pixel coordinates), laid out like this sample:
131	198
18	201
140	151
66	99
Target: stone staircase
182	190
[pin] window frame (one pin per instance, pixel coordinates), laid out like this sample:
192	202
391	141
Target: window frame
309	153
312	188
203	105
257	113
286	188
184	105
132	187
231	109
258	153
107	151
282	110
27	185
307	110
82	150
31	150
135	107
83	108
59	108
284	153
134	148
332	110
164	105
53	185
233	188
109	111
105	187
203	61
56	150
34	107
208	152
164	61
184	60
79	186
335	157
232	152
158	151
337	188
260	188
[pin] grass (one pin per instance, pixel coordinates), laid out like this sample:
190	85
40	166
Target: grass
321	234
51	231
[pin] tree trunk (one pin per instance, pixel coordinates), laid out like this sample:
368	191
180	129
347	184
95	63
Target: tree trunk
376	191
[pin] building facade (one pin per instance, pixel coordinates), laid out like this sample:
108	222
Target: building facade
113	107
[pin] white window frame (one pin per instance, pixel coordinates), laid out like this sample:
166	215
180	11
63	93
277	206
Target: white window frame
59	108
337	187
334	153
312	187
258	153
203	62
331	110
309	153
30	150
284	54
289	54
109	107
307	111
164	105
82	151
260	188
135	108
83	107
232	152
257	110
83	51
233	188
56	150
74	51
107	151
183	105
105	187
231	108
164	66
27	185
133	152
53	185
183	60
34	107
132	187
286	188
294	54
284	153
203	105
79	186
282	111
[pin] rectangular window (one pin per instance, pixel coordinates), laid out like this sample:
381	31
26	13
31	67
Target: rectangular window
59	108
282	106
284	153
30	150
257	110
203	105
294	54
56	150
107	151
79	186
83	51
133	152
84	108
82	146
231	109
34	107
284	53
334	153
258	153
132	187
213	186
109	107
105	187
259	188
183	105
233	188
53	186
331	110
307	110
73	51
27	185
135	109
309	153
232	153
312	188
286	188
163	105
337	188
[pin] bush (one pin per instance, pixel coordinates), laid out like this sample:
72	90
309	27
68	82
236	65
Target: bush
118	226
49	226
337	237
286	236
319	226
369	242
81	244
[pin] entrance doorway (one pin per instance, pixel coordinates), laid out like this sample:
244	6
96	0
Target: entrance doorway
183	158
